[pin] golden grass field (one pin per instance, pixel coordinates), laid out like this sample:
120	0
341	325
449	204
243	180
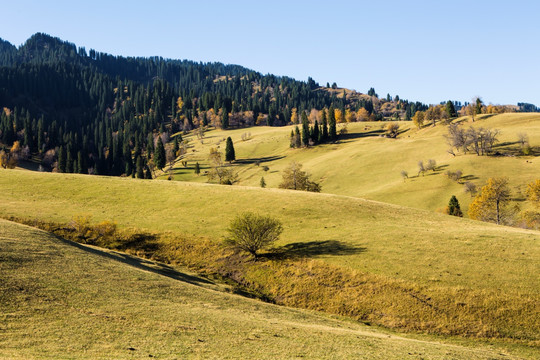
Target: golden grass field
64	300
370	247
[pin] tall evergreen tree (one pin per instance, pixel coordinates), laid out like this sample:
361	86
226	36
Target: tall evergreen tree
324	132
159	155
454	208
450	109
225	119
140	167
297	137
230	155
61	159
332	133
305	129
315	132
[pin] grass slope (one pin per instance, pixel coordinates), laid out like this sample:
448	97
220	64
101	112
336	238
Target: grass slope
368	166
63	300
471	271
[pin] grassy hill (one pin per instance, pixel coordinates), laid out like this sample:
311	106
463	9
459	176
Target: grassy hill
63	300
435	273
366	165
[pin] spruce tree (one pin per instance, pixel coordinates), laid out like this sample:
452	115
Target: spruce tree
324	132
450	109
148	173
225	119
454	208
230	156
305	129
332	134
140	167
61	160
315	132
297	137
159	155
292	139
176	145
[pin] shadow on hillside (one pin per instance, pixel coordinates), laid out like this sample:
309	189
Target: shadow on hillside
142	242
353	136
260	160
313	249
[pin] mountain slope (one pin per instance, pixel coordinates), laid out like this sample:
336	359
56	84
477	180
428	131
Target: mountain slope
479	279
60	299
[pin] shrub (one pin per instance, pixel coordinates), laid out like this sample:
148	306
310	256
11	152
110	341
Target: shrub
251	232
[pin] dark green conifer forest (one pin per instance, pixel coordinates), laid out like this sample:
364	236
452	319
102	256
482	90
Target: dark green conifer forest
83	111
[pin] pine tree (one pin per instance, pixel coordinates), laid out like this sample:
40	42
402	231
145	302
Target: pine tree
263	183
176	145
454	208
148	173
197	168
324	132
305	129
230	155
159	155
315	132
292	139
225	119
61	160
450	109
140	167
297	137
332	134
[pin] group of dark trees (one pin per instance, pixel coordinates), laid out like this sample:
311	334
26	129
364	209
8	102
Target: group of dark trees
315	134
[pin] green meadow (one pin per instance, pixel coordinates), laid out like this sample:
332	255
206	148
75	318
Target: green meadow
372	247
364	164
63	300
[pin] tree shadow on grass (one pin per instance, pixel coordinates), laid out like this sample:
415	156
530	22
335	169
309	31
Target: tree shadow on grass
353	136
143	242
313	249
259	160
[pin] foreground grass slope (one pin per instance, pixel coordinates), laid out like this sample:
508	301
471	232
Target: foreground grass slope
466	276
63	300
363	164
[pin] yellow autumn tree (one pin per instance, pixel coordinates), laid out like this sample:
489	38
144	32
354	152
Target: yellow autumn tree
418	119
294	116
533	192
492	201
338	114
179	105
350	116
362	115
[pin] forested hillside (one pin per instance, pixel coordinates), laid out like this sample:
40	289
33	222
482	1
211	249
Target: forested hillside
73	110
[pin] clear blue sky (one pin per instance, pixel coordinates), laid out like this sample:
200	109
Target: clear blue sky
421	50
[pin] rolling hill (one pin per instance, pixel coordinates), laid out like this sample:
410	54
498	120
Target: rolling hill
365	165
437	274
64	300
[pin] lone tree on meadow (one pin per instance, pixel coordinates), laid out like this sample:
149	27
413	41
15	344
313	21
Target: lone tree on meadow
252	232
230	155
490	203
453	207
295	178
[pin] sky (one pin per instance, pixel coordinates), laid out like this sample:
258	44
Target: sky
428	51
